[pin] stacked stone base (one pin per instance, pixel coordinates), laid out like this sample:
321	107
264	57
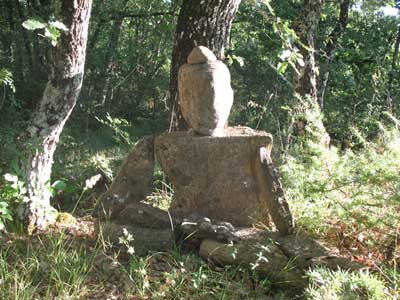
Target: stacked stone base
223	186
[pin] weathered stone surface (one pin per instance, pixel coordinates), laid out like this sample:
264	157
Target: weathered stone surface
134	179
282	259
144	215
205	93
201	55
271	188
199	227
334	263
215	176
264	257
301	248
307	252
145	239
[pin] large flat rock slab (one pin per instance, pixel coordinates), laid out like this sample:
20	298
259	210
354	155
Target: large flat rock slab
144	239
216	176
264	257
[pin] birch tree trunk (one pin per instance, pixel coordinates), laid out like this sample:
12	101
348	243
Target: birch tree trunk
200	23
59	98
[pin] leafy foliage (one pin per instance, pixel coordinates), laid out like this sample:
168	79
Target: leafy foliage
12	193
6	79
351	198
52	29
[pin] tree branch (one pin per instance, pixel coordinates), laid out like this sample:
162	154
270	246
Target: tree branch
122	15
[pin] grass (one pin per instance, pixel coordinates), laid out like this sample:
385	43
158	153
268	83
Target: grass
351	199
343	285
59	265
51	267
352	196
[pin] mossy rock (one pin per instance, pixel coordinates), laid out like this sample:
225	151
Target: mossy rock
64	218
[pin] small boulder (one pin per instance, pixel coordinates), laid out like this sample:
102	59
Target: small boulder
264	257
205	93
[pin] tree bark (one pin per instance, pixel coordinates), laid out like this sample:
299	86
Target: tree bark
308	117
59	98
306	79
206	23
330	48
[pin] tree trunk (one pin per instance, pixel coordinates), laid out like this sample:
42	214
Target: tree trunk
16	40
389	100
59	98
6	36
330	48
308	118
106	75
200	23
25	37
306	80
109	60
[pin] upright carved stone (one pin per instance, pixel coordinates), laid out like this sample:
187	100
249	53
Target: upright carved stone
205	92
133	182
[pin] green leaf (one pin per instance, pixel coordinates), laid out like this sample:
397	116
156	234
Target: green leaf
7	216
10	178
59	185
59	25
282	66
6	78
53	34
33	24
238	59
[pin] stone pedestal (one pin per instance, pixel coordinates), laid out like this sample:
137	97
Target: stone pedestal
216	177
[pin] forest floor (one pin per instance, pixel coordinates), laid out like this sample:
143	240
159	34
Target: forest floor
73	260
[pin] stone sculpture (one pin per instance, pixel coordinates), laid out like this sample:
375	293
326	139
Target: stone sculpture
205	92
224	183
